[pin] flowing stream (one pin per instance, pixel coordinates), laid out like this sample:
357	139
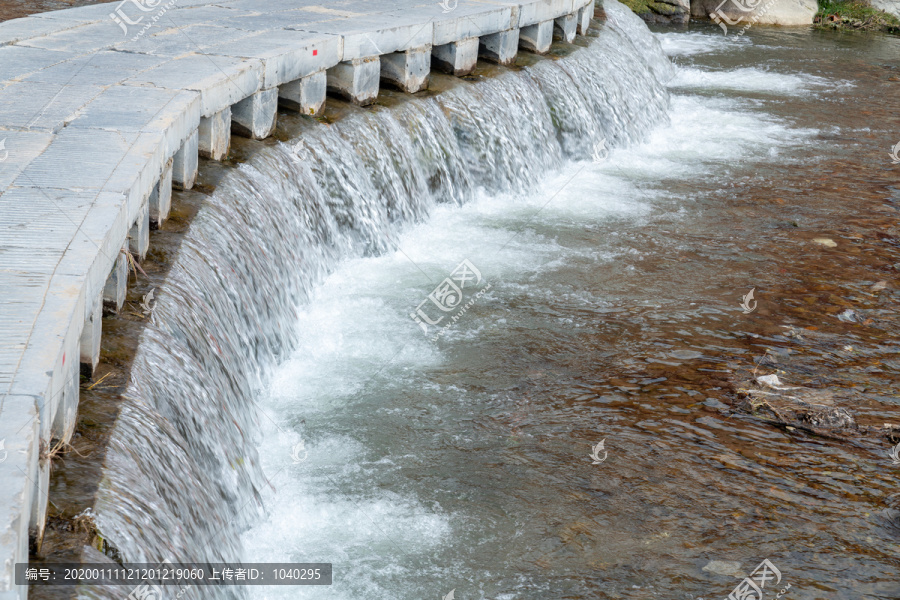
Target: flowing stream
285	407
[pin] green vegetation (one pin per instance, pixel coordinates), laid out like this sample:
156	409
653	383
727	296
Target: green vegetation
838	14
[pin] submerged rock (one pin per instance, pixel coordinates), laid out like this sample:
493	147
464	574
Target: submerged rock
729	568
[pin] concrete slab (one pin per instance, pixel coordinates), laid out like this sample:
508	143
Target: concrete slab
221	80
286	55
18	30
101	68
376	35
86	37
17	62
174	114
179	41
36	106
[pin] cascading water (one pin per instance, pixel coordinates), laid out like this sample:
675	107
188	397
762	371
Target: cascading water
183	477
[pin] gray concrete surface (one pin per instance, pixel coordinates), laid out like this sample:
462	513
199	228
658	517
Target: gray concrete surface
104	108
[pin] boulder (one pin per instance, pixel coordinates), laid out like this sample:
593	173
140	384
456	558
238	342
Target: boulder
733	15
888	6
666	11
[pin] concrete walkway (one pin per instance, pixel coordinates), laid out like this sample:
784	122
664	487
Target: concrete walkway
105	108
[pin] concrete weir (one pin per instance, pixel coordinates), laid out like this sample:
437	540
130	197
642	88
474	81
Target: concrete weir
104	109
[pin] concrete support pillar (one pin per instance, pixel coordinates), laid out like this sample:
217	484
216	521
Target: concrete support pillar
407	70
41	496
500	47
139	234
585	15
564	27
90	338
215	135
306	95
161	197
537	37
357	80
457	58
254	116
116	286
184	165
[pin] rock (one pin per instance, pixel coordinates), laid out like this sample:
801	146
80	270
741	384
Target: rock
850	316
888	6
737	14
826	242
770	380
728	568
661	11
879	286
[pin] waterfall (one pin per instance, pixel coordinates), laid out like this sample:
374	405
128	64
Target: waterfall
182	476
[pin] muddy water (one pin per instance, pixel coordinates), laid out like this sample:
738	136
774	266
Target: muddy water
615	314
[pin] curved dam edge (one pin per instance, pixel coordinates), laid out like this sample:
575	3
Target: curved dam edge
105	108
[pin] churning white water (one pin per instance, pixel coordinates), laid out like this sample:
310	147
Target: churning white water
391	519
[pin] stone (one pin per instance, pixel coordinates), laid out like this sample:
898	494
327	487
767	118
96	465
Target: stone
90	338
564	27
305	95
733	15
500	47
186	162
457	58
161	198
116	287
139	234
356	80
585	15
537	38
215	135
254	116
407	70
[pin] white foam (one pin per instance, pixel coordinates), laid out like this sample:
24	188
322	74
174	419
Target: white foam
751	79
689	44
